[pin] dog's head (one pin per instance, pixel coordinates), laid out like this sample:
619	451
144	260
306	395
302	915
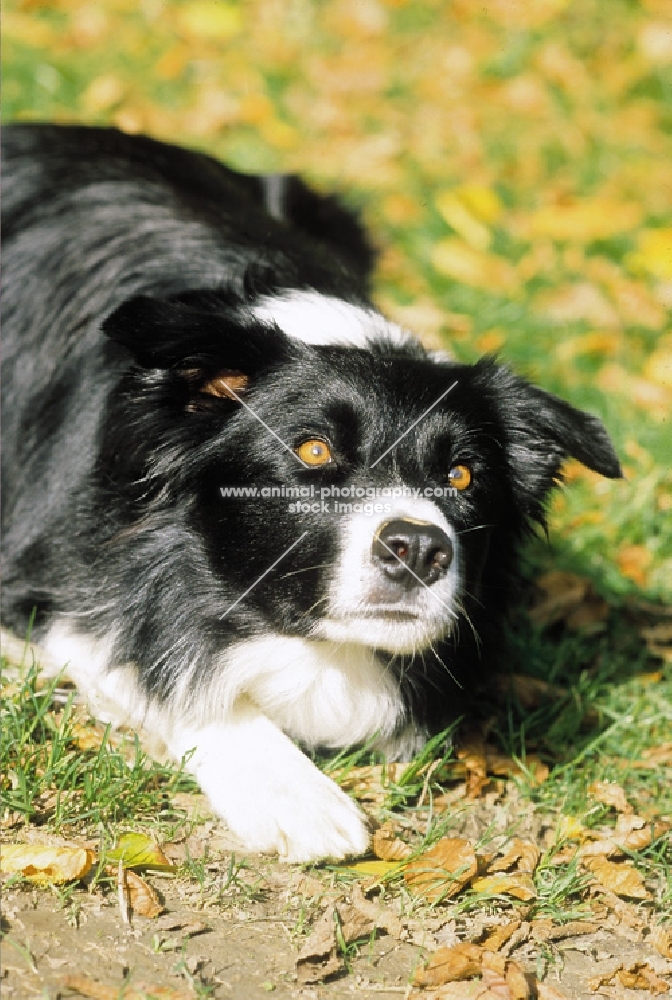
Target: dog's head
363	492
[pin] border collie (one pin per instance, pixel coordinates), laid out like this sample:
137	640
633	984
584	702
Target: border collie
247	510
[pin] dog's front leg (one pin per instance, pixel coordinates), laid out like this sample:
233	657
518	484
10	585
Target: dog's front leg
267	790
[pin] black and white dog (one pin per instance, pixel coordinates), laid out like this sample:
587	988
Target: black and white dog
244	507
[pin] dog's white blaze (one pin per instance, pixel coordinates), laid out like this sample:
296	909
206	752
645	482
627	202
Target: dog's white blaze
348	616
323	320
233	730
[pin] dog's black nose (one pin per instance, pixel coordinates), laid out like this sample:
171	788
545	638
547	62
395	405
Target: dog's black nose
412	552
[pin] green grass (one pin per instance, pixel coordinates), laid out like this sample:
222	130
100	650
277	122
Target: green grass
48	779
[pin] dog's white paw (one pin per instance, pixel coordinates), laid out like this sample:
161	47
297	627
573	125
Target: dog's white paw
271	796
303	816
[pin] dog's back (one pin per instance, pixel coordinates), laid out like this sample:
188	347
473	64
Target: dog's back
91	218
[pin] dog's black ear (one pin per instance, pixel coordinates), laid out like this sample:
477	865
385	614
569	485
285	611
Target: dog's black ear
194	329
541	431
200	341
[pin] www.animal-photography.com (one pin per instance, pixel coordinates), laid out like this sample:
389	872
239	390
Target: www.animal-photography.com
337	511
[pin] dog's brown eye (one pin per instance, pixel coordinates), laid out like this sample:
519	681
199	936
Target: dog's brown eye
314	452
460	477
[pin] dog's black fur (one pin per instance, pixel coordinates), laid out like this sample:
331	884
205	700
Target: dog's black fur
133	273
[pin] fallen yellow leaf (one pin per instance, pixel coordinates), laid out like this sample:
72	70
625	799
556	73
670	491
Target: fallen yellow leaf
207	21
653	253
585	221
102	94
516	884
658	367
633	562
570	828
482	201
454	211
597	342
43	863
491	341
375	869
456	259
137	850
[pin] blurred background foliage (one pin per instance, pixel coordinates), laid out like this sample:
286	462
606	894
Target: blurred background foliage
512	159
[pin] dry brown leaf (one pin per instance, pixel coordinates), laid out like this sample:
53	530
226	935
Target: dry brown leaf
370	784
503	979
546	930
142	898
623	840
517	982
319	957
503	766
321	954
658	640
579	301
516	884
655	400
46	864
500	935
387	846
521	853
530	692
547	992
570	598
443	870
630	915
473	755
609	793
95	990
620	878
490	962
449	965
637	976
641	976
659	756
661	939
596	983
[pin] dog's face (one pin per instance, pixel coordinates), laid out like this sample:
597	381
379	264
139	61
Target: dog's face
385	479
